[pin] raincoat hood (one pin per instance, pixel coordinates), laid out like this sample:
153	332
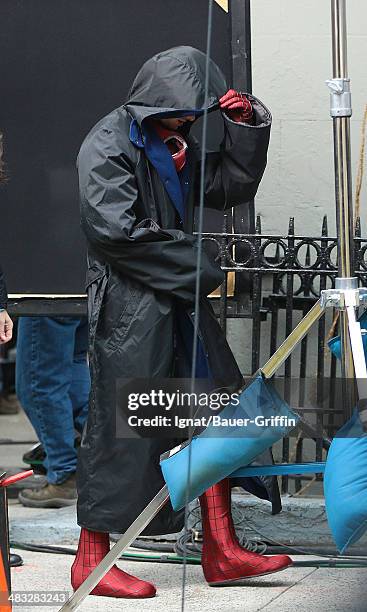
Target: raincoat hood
172	83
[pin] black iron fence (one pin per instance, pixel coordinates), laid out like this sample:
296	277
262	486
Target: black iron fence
273	281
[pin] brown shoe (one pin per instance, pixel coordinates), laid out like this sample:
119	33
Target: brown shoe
50	495
9	404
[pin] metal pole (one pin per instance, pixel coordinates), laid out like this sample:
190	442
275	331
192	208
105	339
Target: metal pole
241	60
240	16
341	112
4	552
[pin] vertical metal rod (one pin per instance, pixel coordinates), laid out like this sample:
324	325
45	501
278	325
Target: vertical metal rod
256	302
241	62
288	329
223	302
4	536
339	32
359	359
343	192
321	359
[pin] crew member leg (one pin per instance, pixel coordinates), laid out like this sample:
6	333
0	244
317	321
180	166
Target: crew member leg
45	354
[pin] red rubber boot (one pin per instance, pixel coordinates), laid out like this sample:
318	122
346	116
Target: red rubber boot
93	547
223	560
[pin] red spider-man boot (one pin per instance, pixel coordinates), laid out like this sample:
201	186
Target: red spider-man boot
224	560
93	547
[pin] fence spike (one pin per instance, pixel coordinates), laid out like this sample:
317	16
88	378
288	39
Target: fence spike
324	229
258	225
308	256
226	228
357	229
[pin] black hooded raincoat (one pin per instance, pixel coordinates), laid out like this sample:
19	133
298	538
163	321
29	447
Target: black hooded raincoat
141	264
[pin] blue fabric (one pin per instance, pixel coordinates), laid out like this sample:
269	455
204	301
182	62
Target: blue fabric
185	335
159	155
53	383
176	184
178	187
135	134
281	469
335	345
218	452
345	484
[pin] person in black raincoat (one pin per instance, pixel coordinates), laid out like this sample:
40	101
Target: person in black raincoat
137	196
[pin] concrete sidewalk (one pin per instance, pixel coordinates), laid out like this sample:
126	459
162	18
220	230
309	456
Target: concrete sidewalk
302	522
310	589
307	589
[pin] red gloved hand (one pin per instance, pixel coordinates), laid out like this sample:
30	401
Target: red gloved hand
236	106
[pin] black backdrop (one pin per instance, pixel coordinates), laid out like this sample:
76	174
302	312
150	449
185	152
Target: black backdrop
64	64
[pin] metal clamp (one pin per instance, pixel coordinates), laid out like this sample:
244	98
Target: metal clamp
340	97
341	298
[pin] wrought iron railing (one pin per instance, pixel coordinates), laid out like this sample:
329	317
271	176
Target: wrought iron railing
284	277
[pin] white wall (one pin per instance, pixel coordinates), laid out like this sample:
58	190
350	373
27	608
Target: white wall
291	46
291	61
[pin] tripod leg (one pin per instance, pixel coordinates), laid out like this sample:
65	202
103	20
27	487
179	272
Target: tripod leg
286	348
135	529
359	359
294	338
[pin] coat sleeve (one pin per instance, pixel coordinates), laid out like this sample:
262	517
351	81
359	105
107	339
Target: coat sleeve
164	260
233	174
3	292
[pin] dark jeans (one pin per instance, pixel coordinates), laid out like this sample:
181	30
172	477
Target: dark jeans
52	384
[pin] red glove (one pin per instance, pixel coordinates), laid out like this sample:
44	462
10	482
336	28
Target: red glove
236	106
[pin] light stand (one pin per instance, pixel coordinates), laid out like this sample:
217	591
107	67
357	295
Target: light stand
346	297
